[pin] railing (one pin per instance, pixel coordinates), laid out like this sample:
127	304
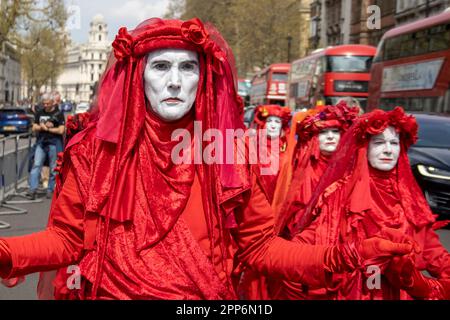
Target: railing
15	152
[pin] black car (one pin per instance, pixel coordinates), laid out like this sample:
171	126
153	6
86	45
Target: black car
430	161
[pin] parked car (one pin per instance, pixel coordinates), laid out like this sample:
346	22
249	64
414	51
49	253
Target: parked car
82	107
14	120
430	161
66	106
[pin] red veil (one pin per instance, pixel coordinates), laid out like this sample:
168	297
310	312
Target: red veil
128	138
348	173
308	164
262	112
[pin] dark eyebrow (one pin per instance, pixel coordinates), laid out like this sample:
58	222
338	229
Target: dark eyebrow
191	61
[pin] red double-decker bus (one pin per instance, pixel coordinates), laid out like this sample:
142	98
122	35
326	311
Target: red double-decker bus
328	75
412	67
269	86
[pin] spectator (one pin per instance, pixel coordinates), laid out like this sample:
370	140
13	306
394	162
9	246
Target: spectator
49	127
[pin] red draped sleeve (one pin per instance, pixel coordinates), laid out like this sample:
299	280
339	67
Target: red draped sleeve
262	251
435	256
59	245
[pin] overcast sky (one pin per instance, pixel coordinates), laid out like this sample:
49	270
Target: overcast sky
117	13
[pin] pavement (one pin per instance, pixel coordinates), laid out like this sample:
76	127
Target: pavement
36	220
22	224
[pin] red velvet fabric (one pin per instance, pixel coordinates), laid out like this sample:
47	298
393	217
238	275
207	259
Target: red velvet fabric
361	203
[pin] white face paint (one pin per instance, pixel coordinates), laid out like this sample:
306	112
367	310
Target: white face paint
329	140
273	126
384	150
171	80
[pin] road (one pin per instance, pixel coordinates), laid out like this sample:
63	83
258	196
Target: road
36	219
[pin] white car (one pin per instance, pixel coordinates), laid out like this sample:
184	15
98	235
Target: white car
82	107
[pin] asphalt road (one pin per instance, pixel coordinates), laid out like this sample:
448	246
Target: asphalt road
36	220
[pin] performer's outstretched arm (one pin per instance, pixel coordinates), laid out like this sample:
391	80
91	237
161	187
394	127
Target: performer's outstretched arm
273	256
59	245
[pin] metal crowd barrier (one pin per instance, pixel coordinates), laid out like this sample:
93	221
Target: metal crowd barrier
14	165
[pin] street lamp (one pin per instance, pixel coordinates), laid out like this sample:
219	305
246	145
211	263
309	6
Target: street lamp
289	40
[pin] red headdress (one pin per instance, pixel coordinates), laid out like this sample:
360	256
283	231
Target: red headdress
264	111
308	164
130	139
349	173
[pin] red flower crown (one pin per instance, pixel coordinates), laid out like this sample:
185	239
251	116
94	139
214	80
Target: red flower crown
264	111
339	116
377	121
125	46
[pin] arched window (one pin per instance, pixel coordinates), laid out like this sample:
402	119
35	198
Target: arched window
99	28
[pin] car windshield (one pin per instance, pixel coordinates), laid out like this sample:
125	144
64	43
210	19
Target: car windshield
434	134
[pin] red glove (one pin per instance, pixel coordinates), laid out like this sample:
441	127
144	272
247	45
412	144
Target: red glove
373	248
349	257
396	235
403	274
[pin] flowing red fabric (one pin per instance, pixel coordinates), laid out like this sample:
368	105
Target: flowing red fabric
262	112
128	145
308	163
356	202
287	167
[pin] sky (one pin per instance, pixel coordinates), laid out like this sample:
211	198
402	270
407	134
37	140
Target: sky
117	13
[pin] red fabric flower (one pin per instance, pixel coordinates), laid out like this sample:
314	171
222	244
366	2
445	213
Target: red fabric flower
123	44
377	121
338	116
194	31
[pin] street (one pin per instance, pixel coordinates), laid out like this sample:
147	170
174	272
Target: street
36	219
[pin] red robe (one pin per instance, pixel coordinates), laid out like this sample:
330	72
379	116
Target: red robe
342	220
179	266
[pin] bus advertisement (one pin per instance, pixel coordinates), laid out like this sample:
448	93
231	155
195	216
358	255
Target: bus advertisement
412	67
269	86
328	75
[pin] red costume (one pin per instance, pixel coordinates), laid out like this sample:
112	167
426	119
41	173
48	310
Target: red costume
355	201
261	114
140	227
309	162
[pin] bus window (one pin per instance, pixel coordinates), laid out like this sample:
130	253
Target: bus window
447	102
407	45
421	42
440	38
349	64
277	76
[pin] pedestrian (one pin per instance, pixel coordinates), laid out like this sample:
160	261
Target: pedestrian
369	189
137	223
49	128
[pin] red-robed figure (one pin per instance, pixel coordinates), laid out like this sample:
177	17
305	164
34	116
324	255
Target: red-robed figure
318	138
140	225
369	190
275	120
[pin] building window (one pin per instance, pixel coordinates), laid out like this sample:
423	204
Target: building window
92	77
99	28
100	66
99	37
92	56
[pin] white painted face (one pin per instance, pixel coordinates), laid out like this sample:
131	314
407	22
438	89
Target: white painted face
171	80
329	140
384	150
273	126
